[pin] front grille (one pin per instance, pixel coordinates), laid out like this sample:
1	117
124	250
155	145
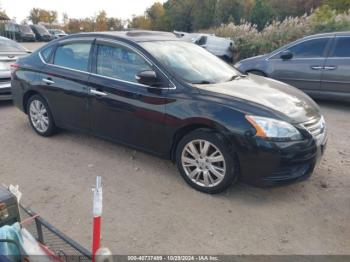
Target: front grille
316	127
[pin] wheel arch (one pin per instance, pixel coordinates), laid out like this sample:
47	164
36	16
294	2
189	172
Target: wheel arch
26	97
184	130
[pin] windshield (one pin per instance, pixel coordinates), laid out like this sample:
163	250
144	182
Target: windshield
41	30
190	62
25	29
7	45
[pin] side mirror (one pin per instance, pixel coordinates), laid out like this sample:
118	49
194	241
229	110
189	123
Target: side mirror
147	77
286	55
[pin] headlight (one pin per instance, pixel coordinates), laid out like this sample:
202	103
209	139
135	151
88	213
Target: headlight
274	129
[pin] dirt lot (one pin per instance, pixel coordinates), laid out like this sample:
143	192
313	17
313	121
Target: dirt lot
148	208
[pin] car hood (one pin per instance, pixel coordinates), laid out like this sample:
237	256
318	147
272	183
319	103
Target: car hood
284	100
258	57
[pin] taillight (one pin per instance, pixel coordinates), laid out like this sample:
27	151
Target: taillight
14	67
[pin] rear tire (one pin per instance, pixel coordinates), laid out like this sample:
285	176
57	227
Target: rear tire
40	116
206	162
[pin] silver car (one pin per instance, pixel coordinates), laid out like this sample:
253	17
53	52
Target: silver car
57	33
319	65
9	52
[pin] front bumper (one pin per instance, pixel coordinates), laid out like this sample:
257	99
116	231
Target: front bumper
269	163
28	38
5	91
46	38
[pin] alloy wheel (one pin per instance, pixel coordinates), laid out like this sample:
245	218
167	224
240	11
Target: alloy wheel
203	163
39	116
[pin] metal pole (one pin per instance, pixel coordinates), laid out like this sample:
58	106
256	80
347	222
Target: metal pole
97	212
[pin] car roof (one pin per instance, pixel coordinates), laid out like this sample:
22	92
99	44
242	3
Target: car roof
345	33
134	35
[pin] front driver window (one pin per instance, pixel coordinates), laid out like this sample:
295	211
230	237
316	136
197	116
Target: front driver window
314	48
119	62
310	49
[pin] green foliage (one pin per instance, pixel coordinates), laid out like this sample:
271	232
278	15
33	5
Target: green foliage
261	14
140	22
227	11
194	15
338	5
100	22
250	42
37	15
324	19
155	15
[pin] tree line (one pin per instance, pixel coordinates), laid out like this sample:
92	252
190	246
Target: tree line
191	15
194	15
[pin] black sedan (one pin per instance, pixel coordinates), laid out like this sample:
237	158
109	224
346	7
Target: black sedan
151	91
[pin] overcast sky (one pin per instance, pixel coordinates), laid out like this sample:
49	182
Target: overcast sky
77	8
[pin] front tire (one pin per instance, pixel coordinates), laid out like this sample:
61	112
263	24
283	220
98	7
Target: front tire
40	116
206	162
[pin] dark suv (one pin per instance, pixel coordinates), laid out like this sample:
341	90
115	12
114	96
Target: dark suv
319	65
151	91
41	33
20	33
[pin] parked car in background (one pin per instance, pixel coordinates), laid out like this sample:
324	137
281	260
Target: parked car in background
57	33
18	32
319	65
41	33
154	92
26	34
10	51
219	46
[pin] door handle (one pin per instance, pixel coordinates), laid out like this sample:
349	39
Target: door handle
316	67
48	81
330	67
96	92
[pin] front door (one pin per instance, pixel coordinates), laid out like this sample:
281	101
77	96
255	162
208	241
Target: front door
304	69
120	108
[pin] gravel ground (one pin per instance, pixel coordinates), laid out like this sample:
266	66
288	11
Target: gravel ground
148	208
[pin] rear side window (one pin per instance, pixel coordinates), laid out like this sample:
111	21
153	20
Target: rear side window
73	56
310	49
342	47
46	53
119	62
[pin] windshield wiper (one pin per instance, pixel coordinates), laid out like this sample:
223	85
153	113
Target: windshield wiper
233	78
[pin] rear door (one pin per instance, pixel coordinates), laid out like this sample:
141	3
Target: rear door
64	82
336	75
304	69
